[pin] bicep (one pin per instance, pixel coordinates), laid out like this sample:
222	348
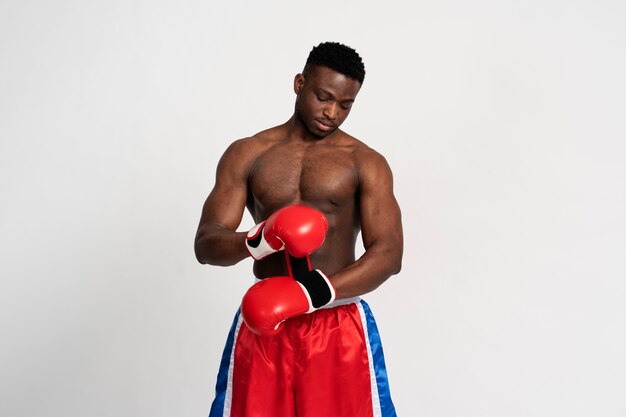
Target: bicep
226	202
381	224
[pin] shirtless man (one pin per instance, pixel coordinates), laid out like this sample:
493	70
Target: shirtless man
329	362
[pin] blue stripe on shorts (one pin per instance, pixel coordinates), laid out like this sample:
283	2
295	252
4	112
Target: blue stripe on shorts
217	408
386	405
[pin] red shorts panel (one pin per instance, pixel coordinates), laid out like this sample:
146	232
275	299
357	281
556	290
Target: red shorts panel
320	364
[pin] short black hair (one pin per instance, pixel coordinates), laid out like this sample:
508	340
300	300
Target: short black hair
338	57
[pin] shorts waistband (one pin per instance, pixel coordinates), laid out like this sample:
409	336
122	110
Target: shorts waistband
342	302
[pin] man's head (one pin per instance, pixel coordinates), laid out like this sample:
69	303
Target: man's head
338	57
327	87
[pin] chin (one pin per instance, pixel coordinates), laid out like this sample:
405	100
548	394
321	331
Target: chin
320	133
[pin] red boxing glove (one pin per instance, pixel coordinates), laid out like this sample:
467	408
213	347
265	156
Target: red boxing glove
300	230
271	301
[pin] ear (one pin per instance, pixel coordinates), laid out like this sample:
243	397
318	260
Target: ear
298	83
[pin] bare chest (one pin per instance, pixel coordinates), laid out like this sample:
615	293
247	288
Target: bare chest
315	174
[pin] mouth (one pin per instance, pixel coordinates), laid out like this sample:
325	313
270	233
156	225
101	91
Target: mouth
324	126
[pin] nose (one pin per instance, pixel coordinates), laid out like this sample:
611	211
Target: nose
330	111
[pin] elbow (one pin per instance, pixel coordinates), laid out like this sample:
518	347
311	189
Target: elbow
390	260
209	254
395	262
200	257
398	268
205	257
202	251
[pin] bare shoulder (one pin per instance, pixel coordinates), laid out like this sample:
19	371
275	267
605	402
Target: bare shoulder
247	146
369	162
245	151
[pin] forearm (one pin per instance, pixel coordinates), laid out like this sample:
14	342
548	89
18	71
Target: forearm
367	273
220	246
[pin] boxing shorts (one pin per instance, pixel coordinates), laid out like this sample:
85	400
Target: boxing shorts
328	363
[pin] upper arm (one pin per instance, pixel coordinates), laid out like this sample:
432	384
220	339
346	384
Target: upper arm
226	202
381	223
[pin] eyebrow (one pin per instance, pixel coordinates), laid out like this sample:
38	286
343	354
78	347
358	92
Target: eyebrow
322	90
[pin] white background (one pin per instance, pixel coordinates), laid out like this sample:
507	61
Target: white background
502	120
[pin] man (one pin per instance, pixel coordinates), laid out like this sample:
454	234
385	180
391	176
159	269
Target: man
328	362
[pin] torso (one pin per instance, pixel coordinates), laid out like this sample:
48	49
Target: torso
322	174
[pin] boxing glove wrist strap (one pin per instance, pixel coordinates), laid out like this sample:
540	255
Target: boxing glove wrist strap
317	286
256	244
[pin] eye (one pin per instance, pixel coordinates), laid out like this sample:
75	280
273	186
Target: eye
320	98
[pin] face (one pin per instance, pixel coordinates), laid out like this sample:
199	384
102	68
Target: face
324	99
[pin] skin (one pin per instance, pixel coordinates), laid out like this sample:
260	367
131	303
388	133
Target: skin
309	160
